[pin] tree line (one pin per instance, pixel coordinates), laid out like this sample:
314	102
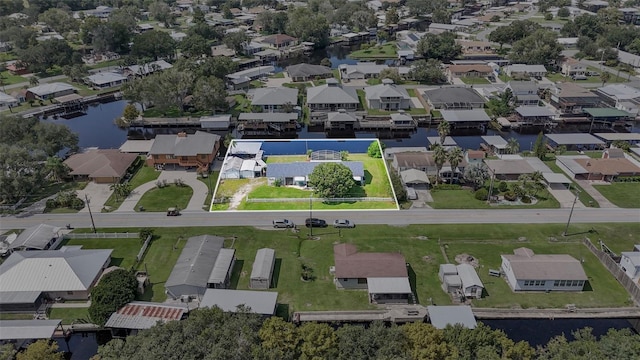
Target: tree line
214	334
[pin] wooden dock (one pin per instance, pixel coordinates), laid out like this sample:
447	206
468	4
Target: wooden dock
393	313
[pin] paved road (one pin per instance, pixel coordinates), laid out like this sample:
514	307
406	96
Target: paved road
406	217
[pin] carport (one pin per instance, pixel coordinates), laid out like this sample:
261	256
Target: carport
414	178
557	181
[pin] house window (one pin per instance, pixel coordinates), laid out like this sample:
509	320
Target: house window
563	283
344	279
556	283
170	157
69	292
362	280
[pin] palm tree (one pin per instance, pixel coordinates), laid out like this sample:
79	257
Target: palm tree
537	180
513	146
57	168
33	81
439	157
454	156
444	129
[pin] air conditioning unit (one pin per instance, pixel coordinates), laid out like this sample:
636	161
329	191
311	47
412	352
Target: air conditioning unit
332	270
185	298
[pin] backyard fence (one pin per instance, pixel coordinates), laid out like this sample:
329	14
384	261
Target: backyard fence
144	248
351	199
101	236
615	270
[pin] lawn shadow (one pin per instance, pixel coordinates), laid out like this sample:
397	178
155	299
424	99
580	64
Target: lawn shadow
148	293
276	272
282	310
235	274
367	177
413	282
587	286
116	261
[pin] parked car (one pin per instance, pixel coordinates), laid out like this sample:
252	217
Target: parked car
579	77
343	223
283	223
173	211
315	222
593	73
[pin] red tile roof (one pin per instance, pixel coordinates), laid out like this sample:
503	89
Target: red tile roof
349	263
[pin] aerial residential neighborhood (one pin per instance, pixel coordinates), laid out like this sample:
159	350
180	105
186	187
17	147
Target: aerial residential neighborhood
319	179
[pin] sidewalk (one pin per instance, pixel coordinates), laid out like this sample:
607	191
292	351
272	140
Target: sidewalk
602	201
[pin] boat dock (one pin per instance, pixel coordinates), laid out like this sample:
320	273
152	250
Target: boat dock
570	312
394	313
72	105
150	122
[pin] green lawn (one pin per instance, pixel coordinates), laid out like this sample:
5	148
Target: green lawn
279	75
626	195
374	81
418	243
9	79
158	199
285	158
70	315
504	77
386	51
173	112
464	199
336	74
52	189
583	196
143	175
211	186
105	64
412	92
558	77
474	80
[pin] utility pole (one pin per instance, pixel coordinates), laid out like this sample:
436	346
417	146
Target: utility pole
310	216
493	175
571	213
93	224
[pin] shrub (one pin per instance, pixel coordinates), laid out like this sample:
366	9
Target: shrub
503	186
447	187
510	195
162	183
277	183
482	194
179	182
526	199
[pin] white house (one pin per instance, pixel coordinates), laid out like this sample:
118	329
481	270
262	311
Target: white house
7	101
472	286
387	96
526	271
103	80
536	71
630	263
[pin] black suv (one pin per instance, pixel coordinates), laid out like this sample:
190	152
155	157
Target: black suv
314	222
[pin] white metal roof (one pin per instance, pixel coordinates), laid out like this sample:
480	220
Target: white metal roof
574	139
137	146
245	147
27	329
496	141
448	141
260	302
263	263
556	178
441	316
50	88
394	285
619	136
105	78
222	266
469	276
36	237
477	115
570	163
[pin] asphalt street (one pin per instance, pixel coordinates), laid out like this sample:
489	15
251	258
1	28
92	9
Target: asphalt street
264	218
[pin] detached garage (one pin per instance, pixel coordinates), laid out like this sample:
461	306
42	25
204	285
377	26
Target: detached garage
262	270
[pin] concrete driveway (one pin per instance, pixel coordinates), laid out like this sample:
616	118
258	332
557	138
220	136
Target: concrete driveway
97	194
564	196
190	178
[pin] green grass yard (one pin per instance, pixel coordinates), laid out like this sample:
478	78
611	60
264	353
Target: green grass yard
474	80
418	243
412	92
9	79
285	158
386	51
159	199
174	112
70	315
626	195
464	199
142	176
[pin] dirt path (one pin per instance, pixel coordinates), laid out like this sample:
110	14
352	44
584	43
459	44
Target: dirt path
236	199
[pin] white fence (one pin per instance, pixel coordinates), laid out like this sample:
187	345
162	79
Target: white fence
351	199
102	236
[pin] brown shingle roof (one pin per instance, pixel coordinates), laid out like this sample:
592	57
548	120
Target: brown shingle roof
414	159
528	266
100	163
350	263
469	68
278	39
609	166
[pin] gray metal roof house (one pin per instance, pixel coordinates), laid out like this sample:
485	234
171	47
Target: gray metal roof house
260	302
298	172
441	316
191	273
220	276
39	237
262	270
454	98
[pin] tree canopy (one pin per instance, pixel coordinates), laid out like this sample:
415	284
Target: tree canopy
153	44
308	26
541	47
114	290
332	180
442	47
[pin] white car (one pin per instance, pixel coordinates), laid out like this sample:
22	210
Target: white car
343	223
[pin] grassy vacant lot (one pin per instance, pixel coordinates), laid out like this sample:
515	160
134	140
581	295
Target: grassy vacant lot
420	245
386	51
376	185
142	176
464	199
558	77
626	195
158	199
9	79
474	80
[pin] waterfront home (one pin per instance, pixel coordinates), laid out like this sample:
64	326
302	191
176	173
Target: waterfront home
102	166
630	263
197	264
49	91
571	67
297	173
280	41
526	71
340	120
387	96
524	92
575	141
361	70
331	97
266	121
193	150
533	116
222	50
29	277
468	71
241	79
418	160
607	117
262	269
621	96
7	101
142	315
509	169
450	98
146	69
473	47
308	72
630	15
383	275
103	80
258	302
582	167
101	12
274	99
496	144
466	119
526	271
570	98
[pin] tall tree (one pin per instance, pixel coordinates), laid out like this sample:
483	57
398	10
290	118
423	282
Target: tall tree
319	341
308	26
210	93
160	11
391	16
442	47
114	290
427	71
153	44
331	180
439	157
513	146
236	40
41	350
194	46
280	338
605	76
59	20
455	157
517	30
540	146
444	129
57	169
426	342
476	174
541	47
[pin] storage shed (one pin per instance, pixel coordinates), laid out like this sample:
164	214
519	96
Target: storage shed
262	270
